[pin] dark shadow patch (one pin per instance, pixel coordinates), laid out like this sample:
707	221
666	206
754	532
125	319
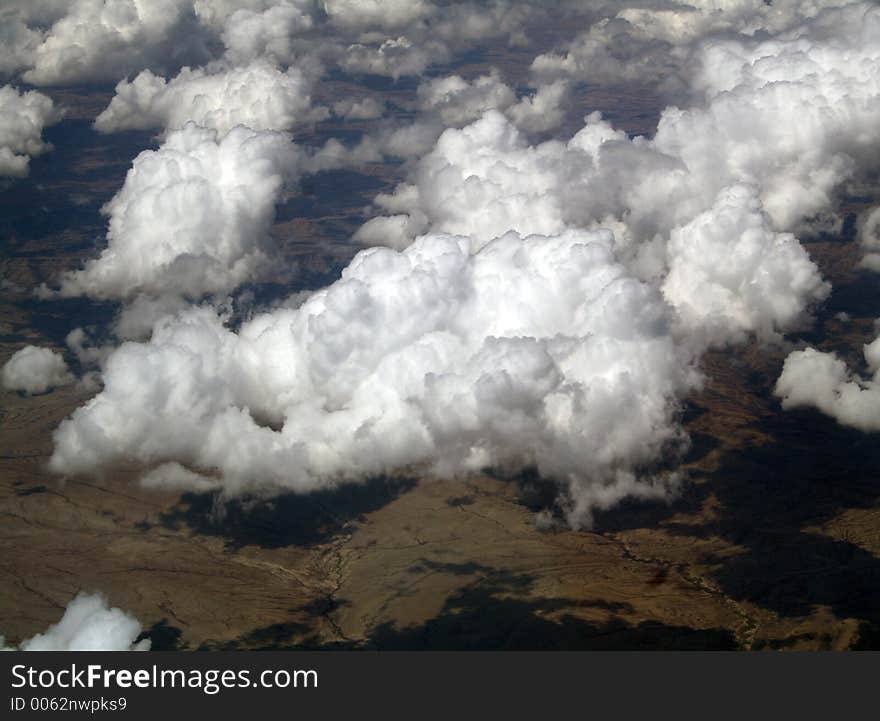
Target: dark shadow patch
535	493
480	617
286	520
163	636
777	644
31	491
323	606
659	578
274	637
701	445
772	495
460	501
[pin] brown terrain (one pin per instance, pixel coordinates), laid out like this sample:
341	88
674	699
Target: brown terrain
774	542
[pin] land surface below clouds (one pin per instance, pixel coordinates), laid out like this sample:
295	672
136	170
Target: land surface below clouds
774	542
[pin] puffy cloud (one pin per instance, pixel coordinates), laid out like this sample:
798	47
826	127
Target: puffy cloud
89	624
730	275
542	111
659	46
372	14
394	57
216	13
779	126
547	302
22	30
869	236
364	109
253	33
537	351
258	95
484	179
23	115
451	101
455	101
18	43
101	39
811	378
192	217
35	370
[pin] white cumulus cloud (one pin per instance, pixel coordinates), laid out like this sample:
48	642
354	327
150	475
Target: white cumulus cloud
89	624
258	96
105	39
192	217
812	378
35	370
23	115
449	357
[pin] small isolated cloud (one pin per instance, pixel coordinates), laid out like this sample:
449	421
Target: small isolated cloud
394	57
869	236
811	378
23	115
89	624
34	370
364	109
259	96
192	217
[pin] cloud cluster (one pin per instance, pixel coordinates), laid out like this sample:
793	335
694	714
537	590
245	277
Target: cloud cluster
725	269
779	126
34	370
441	103
192	217
811	378
23	115
258	96
658	44
538	351
89	624
536	305
96	40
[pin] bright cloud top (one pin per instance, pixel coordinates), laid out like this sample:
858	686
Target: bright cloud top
539	305
811	378
101	38
258	96
34	370
89	624
485	178
538	351
192	217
